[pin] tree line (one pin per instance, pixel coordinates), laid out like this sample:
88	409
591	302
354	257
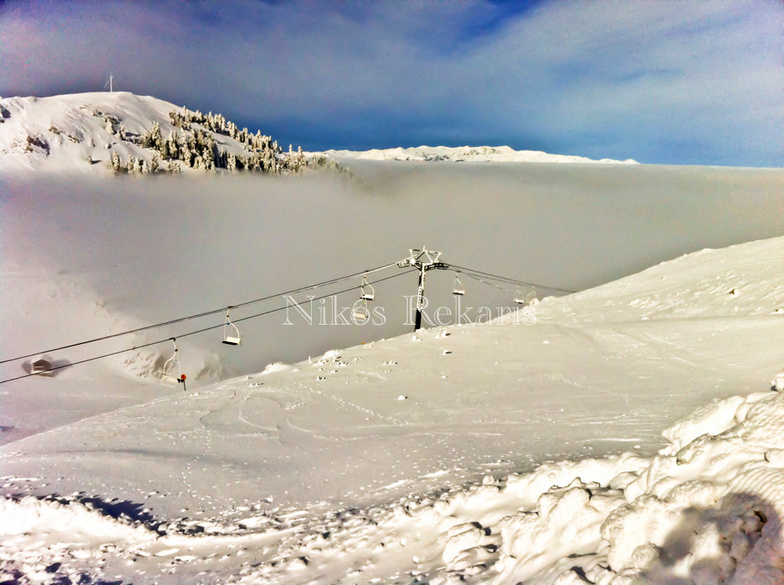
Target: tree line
196	147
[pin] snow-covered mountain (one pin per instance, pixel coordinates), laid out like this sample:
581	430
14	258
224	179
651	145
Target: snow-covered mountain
465	154
118	131
104	131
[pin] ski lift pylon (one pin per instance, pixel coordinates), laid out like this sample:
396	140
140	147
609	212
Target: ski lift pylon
366	290
231	333
458	288
168	377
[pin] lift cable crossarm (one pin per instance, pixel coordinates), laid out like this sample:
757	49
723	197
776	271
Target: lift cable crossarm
423	260
199	331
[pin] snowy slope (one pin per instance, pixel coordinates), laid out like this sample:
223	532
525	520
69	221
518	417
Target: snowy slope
739	280
59	133
465	154
78	133
419	458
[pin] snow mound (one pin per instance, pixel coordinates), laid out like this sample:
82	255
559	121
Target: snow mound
707	509
467	154
49	541
707	512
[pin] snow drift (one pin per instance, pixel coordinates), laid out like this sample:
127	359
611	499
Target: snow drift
707	509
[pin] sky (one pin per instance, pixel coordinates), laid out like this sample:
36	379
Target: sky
660	82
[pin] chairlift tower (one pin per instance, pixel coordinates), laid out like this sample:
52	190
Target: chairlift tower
423	260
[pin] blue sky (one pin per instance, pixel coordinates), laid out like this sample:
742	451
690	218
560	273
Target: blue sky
670	82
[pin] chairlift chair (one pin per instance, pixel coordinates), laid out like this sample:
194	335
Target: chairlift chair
367	293
532	298
519	298
359	312
458	288
168	377
42	366
231	333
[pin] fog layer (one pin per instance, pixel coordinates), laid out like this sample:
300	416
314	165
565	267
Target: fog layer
164	247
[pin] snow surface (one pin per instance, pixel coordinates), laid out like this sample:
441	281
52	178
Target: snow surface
466	154
625	434
319	472
59	133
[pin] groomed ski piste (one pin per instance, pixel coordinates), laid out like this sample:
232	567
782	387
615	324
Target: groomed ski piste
628	436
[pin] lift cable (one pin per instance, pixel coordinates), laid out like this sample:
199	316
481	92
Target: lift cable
200	315
196	332
506	279
487	282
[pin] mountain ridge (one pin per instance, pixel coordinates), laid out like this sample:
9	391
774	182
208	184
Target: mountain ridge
467	154
104	132
101	132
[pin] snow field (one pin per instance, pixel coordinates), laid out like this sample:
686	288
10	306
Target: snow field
706	510
621	520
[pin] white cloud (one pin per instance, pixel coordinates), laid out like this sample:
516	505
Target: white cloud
618	79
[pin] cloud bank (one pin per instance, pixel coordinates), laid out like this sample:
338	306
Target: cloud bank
660	82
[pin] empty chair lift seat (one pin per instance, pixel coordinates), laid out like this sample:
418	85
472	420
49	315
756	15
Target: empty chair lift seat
41	365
